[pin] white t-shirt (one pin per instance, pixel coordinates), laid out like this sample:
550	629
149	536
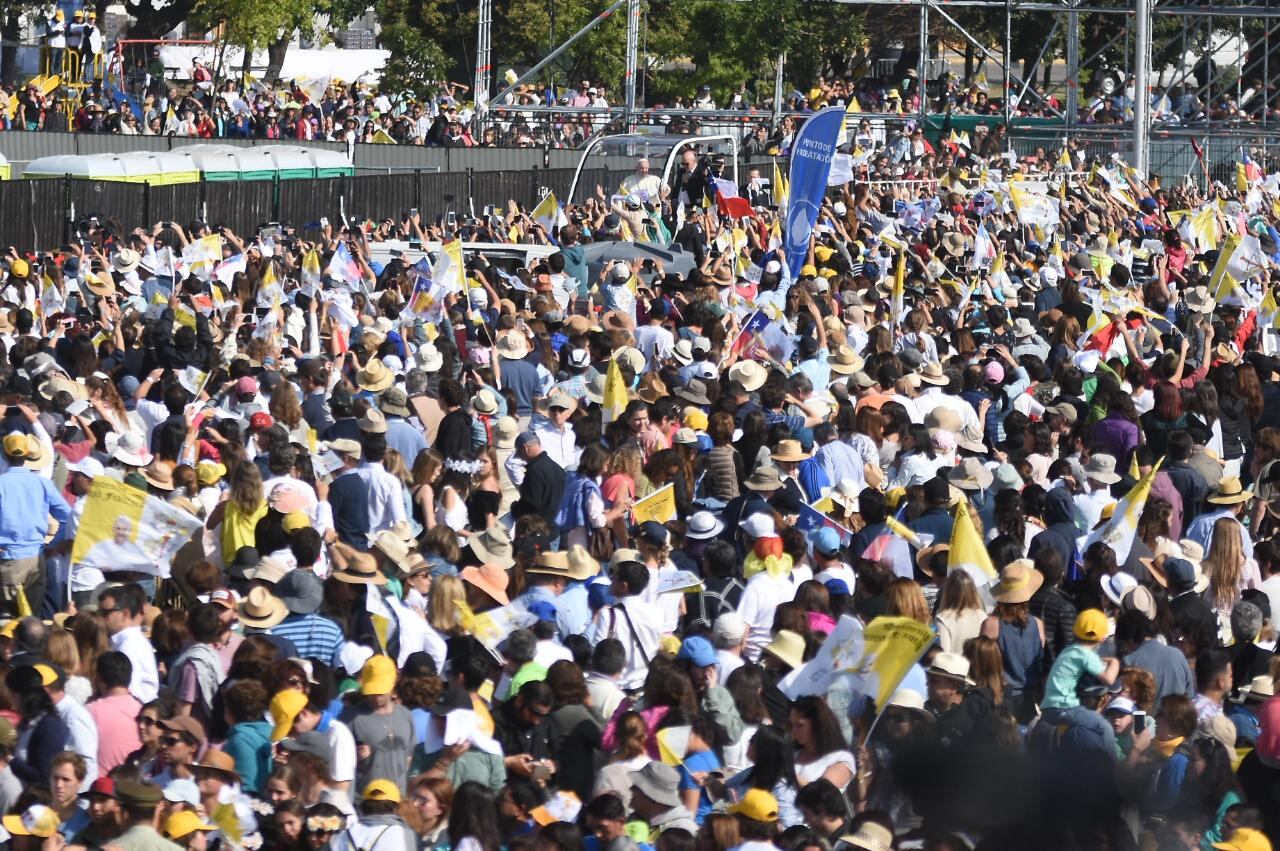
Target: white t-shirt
760	599
343	745
655	342
811	771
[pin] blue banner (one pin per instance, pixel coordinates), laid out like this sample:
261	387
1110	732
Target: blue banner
811	155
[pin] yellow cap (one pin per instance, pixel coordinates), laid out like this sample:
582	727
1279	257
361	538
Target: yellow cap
209	472
1091	625
695	419
378	676
1245	839
285	708
295	520
382	790
809	270
184	823
20	268
823	253
35	820
48	676
757	805
16	445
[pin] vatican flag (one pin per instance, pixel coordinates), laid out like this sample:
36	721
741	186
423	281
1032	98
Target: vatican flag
615	393
968	552
1119	532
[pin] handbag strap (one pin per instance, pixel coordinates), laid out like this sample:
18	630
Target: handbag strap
634	635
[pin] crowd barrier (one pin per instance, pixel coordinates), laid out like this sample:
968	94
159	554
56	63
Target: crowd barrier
42	214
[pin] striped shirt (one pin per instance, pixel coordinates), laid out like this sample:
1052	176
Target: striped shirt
315	636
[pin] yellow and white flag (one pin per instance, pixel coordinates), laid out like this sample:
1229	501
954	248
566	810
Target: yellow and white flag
615	394
125	529
200	257
1034	210
1119	532
673	743
968	552
311	273
781	189
878	655
448	270
548	213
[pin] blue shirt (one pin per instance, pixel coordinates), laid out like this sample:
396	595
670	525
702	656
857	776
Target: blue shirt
521	378
816	370
315	636
405	439
26	503
701	761
1201	530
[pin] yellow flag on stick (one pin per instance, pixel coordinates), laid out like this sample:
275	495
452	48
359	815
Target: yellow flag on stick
23	606
1119	532
615	393
899	285
968	552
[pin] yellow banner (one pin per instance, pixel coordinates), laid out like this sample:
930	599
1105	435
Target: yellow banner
659	506
125	529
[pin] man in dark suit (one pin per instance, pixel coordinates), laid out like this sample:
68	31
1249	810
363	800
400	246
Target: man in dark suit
543	482
755	190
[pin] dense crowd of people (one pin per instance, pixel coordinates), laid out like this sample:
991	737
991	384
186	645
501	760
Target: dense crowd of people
489	558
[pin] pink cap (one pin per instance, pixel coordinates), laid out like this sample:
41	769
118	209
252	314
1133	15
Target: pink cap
247	385
994	372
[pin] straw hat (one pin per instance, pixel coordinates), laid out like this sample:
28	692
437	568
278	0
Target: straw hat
750	374
125	261
934	374
158	475
356	568
787	646
1229	492
632	357
846	361
925	555
1019	581
651	388
261	609
1261	687
375	377
789	450
513	346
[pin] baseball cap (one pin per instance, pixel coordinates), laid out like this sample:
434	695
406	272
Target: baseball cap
184	823
260	421
312	742
382	790
825	541
1123	705
1243	839
757	805
1091	625
698	651
1179	572
247	384
729	629
285	708
87	466
378	676
35	820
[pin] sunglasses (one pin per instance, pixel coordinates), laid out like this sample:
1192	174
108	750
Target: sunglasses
144	721
170	741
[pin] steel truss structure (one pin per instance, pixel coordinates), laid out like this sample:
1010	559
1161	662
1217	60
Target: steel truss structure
1184	37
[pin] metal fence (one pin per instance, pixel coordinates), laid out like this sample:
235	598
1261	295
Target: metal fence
40	214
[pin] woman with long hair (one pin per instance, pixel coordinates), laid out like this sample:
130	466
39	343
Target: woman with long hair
582	509
42	734
473	820
286	408
905	598
1063	341
485	504
916	462
393	462
427	811
1229	571
427	468
1211	787
242	506
148	759
772	768
986	666
106	400
1166	416
92	639
960	612
61	649
455	488
753	445
821	748
1019	635
443	609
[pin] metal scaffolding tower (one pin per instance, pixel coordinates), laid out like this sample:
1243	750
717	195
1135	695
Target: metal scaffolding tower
484	65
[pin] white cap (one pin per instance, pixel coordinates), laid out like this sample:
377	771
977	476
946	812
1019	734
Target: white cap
1121	704
87	466
759	526
728	630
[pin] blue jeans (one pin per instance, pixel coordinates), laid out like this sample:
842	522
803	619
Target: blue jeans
1080	716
